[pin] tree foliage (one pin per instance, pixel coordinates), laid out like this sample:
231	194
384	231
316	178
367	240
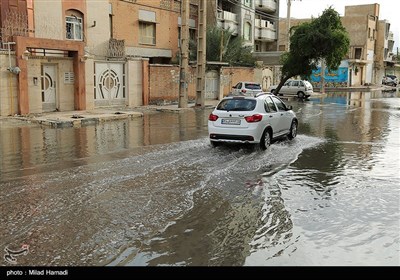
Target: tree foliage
223	42
323	38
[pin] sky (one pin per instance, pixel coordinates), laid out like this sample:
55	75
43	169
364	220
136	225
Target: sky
306	8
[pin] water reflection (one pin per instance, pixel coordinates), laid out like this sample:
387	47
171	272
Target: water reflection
337	196
26	148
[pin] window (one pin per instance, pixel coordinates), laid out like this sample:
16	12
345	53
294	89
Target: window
247	3
74	28
279	104
237	105
357	53
147	33
270	104
192	34
247	31
252	86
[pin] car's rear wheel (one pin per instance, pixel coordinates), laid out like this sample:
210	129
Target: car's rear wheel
301	95
265	141
293	130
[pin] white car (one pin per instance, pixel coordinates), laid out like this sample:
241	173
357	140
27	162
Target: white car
246	88
255	120
300	88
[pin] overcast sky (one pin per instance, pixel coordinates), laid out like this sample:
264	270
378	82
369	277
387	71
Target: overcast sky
306	8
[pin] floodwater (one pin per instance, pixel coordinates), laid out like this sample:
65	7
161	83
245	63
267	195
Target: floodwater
152	191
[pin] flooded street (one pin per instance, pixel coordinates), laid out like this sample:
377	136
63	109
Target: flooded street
152	191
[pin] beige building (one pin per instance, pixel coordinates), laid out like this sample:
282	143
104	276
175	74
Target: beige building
371	43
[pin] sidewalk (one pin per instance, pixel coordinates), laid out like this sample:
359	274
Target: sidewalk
89	117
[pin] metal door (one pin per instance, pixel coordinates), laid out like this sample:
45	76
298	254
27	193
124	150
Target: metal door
109	84
212	85
49	88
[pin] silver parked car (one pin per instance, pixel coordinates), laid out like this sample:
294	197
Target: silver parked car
390	80
252	120
246	88
300	88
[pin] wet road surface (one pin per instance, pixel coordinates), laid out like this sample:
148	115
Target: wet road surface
152	191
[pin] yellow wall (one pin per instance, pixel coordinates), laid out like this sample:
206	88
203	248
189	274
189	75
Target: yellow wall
49	19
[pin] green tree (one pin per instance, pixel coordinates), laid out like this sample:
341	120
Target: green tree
222	42
323	38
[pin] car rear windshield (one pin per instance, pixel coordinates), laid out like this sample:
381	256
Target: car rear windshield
252	86
237	105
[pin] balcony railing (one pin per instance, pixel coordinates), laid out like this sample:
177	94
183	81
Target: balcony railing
266	5
264	30
228	21
265	34
264	23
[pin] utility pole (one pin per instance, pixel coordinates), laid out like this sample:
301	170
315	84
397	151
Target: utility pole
221	45
201	53
288	24
322	76
289	4
183	81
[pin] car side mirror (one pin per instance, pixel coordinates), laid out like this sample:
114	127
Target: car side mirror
289	107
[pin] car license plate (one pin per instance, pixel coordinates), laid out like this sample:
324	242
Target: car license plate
230	121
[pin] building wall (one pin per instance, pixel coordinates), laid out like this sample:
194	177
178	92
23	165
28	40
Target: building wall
49	20
230	76
8	86
126	26
64	91
97	28
164	83
21	6
282	37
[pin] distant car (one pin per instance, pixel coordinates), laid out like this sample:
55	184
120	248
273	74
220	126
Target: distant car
252	120
246	88
300	88
390	80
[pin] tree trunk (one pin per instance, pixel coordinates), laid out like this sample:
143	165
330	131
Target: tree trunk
281	84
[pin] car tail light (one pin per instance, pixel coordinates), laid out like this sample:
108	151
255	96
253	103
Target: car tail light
212	117
253	118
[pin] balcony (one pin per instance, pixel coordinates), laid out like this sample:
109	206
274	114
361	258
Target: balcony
268	6
264	31
228	21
